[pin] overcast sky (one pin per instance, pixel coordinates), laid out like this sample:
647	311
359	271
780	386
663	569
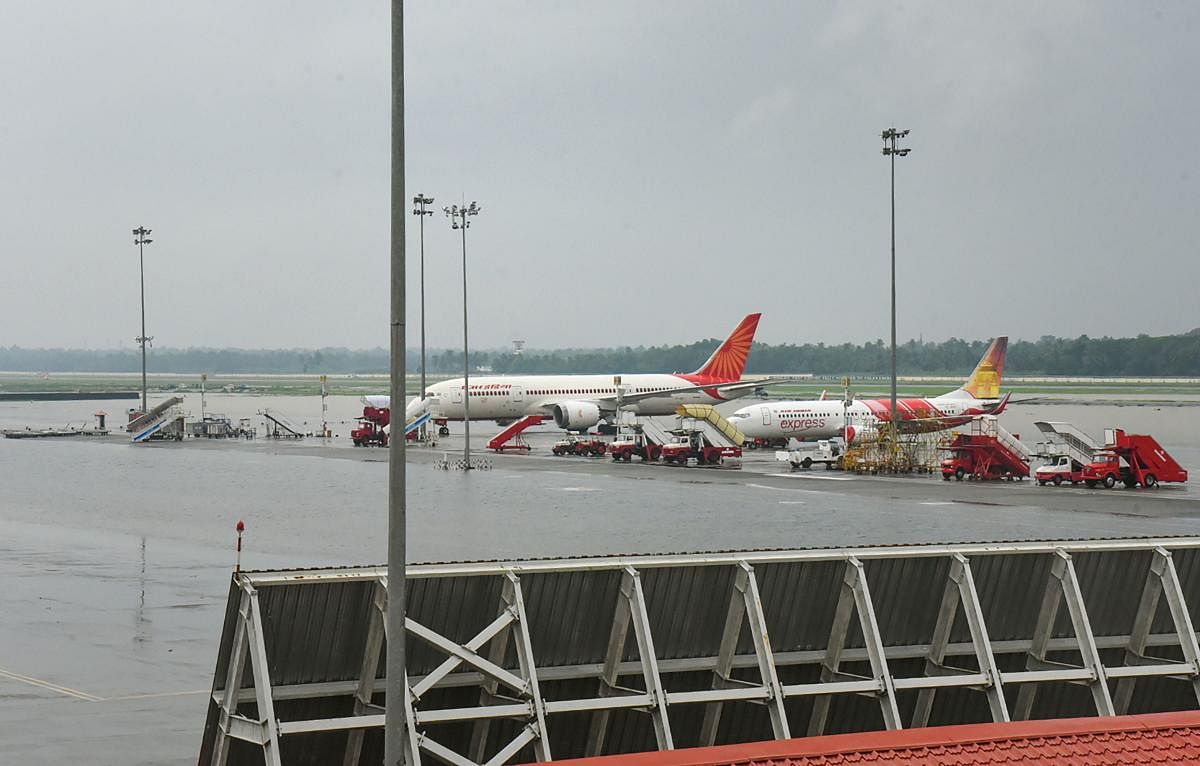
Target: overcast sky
649	172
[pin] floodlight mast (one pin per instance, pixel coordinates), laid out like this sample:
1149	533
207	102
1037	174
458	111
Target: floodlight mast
419	210
397	748
890	136
141	239
460	219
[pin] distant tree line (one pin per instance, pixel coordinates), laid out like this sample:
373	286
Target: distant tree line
1171	355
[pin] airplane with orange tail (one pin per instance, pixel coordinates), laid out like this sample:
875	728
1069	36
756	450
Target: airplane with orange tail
578	402
863	419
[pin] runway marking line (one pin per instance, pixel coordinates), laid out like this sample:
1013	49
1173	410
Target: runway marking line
810	476
50	686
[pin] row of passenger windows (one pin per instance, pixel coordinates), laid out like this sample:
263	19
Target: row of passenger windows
601	391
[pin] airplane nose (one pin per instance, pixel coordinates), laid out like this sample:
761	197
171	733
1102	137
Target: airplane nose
743	420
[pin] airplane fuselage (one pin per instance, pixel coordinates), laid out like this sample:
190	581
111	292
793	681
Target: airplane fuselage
500	397
829	418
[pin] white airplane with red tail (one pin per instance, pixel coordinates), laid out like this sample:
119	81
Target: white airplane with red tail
862	419
578	402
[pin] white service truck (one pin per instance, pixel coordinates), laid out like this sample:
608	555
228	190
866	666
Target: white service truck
826	451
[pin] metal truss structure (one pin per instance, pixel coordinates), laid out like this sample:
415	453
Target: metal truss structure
533	660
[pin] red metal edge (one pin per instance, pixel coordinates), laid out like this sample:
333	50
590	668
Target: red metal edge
934	736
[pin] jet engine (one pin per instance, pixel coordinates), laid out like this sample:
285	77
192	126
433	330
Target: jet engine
861	435
576	416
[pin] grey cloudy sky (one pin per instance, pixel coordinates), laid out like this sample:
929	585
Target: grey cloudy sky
649	172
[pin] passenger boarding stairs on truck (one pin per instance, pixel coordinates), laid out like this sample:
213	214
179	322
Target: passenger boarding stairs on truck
1066	439
280	427
159	419
989	451
654	432
1146	461
500	442
412	424
715	428
415	423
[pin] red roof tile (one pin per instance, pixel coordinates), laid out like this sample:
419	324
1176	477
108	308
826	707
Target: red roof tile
1157	738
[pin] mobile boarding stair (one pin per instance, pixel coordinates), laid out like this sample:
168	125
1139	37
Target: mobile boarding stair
511	439
1140	458
654	432
712	424
414	423
161	422
280	427
1066	439
989	450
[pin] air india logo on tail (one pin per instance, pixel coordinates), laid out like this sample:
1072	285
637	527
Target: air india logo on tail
984	383
728	361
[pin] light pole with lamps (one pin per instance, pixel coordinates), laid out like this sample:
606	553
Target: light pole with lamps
141	239
420	201
890	137
460	218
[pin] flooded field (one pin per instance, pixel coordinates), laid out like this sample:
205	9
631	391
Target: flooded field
116	557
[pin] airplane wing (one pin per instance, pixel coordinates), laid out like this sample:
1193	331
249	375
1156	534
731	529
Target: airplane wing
609	403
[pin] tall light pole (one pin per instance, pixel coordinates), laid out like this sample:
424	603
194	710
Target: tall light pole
460	218
141	239
890	137
397	749
420	201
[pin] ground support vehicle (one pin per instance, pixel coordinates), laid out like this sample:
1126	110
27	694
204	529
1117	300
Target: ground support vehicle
511	437
574	445
1132	459
1057	469
634	443
986	451
825	451
694	448
760	442
371	430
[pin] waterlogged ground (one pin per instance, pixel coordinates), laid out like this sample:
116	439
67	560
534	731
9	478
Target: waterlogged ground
116	558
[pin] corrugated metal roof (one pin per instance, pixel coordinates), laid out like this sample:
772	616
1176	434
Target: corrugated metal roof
1156	738
316	624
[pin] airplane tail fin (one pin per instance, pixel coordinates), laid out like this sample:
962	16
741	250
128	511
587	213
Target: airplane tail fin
728	361
984	382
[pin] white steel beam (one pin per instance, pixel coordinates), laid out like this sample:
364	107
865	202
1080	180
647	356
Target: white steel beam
473	646
522	739
1173	590
262	681
632	590
651	561
489	688
230	695
705	664
1083	632
1161	579
610	670
1042	631
985	654
1061	585
469	656
855	596
762	650
528	666
960	588
730	634
936	658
